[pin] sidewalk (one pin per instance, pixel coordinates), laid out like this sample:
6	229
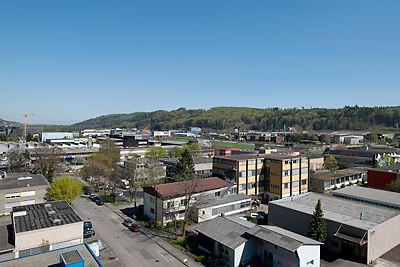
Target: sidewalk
179	255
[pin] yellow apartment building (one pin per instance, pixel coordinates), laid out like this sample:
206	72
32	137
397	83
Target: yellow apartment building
271	176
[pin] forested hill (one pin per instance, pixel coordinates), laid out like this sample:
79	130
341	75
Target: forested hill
227	118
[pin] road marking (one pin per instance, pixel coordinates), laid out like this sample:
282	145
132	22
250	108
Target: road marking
165	254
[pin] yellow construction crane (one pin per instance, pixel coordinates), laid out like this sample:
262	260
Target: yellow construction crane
26	115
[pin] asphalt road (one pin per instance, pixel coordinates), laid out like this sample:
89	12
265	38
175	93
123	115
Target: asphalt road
132	249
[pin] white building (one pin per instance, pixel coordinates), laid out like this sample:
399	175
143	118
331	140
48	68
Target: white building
58	135
163	202
236	241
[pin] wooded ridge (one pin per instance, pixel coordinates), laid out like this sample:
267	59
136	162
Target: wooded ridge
244	118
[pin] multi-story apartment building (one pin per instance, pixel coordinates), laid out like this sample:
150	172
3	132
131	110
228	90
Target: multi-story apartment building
271	176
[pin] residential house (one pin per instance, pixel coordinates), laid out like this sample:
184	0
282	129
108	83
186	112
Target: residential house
236	241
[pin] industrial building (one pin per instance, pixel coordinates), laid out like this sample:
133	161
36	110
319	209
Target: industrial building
54	224
360	230
21	189
382	176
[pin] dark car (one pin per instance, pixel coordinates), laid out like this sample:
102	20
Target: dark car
86	191
87	225
88	233
99	202
135	228
130	212
128	222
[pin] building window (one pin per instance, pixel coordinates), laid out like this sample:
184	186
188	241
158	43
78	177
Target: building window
295	161
242	187
304	182
295	172
304	170
152	210
152	200
295	184
285	185
13	195
217	194
251	162
286	162
310	262
285	173
242	174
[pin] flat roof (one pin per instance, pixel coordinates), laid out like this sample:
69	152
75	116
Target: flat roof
196	160
22	180
44	215
281	237
259	156
327	175
391	168
52	258
340	210
372	194
216	201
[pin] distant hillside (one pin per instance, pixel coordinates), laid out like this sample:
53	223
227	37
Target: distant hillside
8	122
225	118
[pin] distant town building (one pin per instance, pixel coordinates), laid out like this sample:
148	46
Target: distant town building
57	135
202	166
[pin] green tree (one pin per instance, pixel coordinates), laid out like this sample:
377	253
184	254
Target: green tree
64	187
156	153
384	160
315	138
373	137
331	164
29	137
184	169
176	152
393	186
195	149
13	137
318	225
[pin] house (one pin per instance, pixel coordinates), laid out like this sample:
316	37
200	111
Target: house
21	189
360	230
202	166
166	202
236	241
324	180
382	176
53	223
270	176
146	170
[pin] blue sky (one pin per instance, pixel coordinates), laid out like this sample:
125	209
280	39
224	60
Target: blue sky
67	61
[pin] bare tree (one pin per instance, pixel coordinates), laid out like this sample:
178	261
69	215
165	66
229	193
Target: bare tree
47	159
44	245
17	160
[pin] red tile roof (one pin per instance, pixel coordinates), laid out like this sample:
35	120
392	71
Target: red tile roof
171	190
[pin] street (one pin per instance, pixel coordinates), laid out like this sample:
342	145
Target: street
132	249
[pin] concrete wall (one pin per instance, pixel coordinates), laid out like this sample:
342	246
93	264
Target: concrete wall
383	238
309	253
56	234
40	192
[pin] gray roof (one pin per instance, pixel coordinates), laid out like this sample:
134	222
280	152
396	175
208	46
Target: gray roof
277	156
227	231
196	160
340	210
22	180
281	237
44	215
216	201
390	168
327	175
52	258
5	234
372	194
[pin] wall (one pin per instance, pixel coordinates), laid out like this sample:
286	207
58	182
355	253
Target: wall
56	234
383	238
378	179
40	192
308	253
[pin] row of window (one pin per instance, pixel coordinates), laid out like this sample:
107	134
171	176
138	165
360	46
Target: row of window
231	207
294	184
294	172
251	185
369	202
20	194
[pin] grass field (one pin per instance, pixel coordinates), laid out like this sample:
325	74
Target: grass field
235	145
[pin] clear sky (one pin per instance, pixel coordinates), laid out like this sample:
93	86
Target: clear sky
67	61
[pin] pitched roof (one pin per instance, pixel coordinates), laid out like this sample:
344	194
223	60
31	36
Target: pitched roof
226	230
281	237
177	189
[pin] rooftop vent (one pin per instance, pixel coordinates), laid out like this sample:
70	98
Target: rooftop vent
51	212
48	205
56	221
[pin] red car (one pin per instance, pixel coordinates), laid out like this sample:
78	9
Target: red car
134	228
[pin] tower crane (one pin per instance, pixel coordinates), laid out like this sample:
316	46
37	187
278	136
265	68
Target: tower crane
26	115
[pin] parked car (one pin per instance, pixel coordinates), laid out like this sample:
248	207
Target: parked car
128	222
92	196
134	228
99	202
189	232
87	225
88	233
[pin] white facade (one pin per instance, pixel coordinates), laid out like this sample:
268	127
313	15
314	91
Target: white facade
45	136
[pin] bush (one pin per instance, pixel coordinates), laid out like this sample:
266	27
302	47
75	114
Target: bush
343	186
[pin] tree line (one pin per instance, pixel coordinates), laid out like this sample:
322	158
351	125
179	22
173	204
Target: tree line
228	118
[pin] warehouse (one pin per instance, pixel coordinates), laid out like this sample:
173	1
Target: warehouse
359	230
